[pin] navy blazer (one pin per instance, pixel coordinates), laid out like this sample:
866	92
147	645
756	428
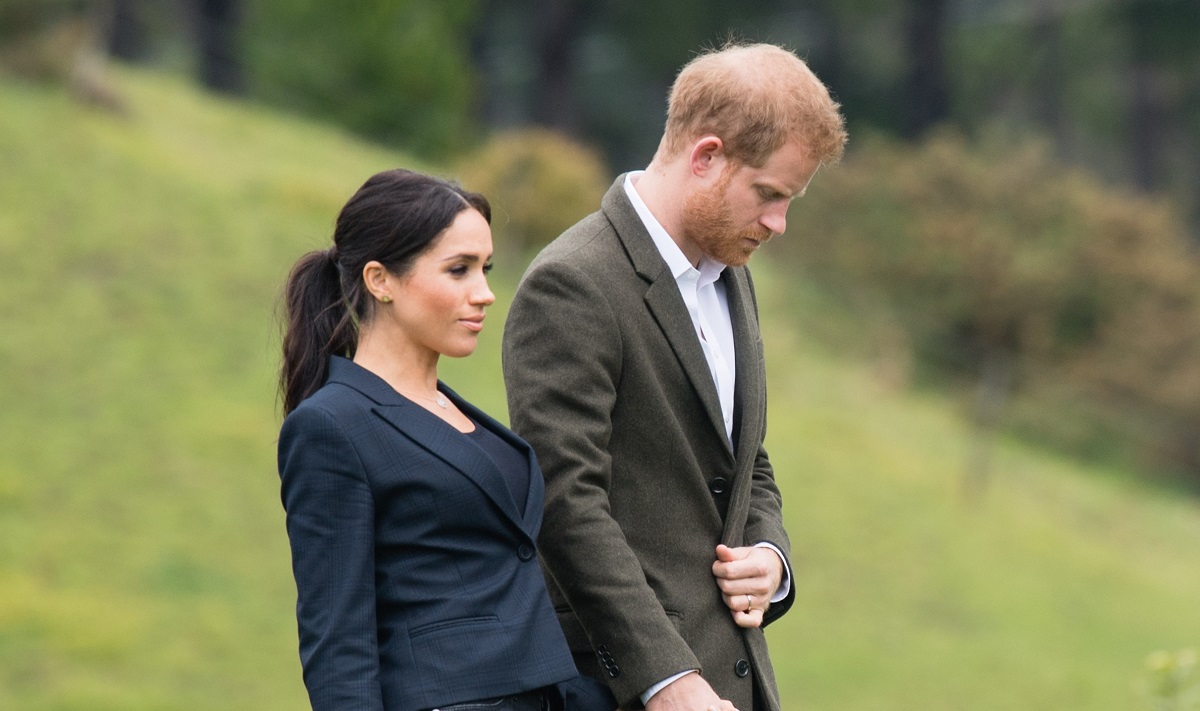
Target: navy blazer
418	580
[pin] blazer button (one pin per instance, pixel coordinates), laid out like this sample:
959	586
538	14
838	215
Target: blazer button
525	552
718	485
742	668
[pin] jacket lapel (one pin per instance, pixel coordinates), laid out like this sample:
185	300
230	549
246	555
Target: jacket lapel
747	344
663	299
532	519
749	400
432	433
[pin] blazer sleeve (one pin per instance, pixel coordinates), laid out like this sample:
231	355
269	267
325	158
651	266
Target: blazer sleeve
330	524
561	397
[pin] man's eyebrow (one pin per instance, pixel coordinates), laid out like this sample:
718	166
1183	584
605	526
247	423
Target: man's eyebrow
773	192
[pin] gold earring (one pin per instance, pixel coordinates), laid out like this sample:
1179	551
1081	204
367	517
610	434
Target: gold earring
386	299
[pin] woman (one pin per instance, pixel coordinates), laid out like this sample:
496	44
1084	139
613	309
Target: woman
412	515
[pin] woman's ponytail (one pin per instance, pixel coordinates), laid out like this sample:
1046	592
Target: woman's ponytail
318	324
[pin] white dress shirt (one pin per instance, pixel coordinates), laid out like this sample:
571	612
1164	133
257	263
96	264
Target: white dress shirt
704	295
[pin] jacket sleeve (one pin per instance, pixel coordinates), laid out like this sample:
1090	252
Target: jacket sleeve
562	359
330	524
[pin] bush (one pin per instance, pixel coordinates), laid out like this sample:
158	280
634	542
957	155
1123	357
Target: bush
539	183
42	39
995	257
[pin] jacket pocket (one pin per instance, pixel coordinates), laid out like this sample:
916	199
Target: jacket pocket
451	623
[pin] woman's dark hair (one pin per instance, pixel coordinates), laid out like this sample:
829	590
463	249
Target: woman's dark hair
394	217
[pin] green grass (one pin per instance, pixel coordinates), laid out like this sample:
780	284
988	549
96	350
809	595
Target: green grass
143	561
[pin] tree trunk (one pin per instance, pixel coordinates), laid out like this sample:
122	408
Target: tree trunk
217	26
558	25
1147	118
127	37
1049	81
928	86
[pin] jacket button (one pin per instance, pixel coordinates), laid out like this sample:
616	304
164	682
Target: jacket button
742	668
613	671
525	552
718	485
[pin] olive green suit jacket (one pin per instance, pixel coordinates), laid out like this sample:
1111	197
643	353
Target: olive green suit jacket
607	380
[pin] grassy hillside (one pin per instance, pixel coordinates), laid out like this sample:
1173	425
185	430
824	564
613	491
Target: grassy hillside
143	562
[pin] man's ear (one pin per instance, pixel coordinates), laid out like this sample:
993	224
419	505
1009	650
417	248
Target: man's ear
707	158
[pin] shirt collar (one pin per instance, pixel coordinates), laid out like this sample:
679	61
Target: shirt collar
709	270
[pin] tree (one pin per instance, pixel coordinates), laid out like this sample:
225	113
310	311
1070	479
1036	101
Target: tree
220	59
927	95
397	72
128	34
558	24
1164	58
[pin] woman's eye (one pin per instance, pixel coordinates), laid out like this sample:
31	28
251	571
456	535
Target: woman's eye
458	270
487	267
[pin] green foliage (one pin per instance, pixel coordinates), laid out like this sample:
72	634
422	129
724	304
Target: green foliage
143	560
396	72
996	251
539	183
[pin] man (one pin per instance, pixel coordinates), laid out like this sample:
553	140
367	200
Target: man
633	362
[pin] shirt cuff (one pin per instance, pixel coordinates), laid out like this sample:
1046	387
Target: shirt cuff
785	583
663	684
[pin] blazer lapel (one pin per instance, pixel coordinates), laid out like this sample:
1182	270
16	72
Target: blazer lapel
431	433
748	392
531	521
664	300
454	448
749	400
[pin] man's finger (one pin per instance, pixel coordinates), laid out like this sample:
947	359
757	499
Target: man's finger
750	619
746	565
725	554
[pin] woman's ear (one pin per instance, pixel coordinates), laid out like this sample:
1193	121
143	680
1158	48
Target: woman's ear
375	277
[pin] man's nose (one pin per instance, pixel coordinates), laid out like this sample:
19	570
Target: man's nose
775	218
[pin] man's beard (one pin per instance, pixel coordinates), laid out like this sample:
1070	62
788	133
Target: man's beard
708	224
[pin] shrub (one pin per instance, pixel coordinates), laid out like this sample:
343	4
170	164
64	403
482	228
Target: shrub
42	39
993	257
539	183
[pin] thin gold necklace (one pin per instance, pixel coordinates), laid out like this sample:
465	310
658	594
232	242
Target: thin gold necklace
441	400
